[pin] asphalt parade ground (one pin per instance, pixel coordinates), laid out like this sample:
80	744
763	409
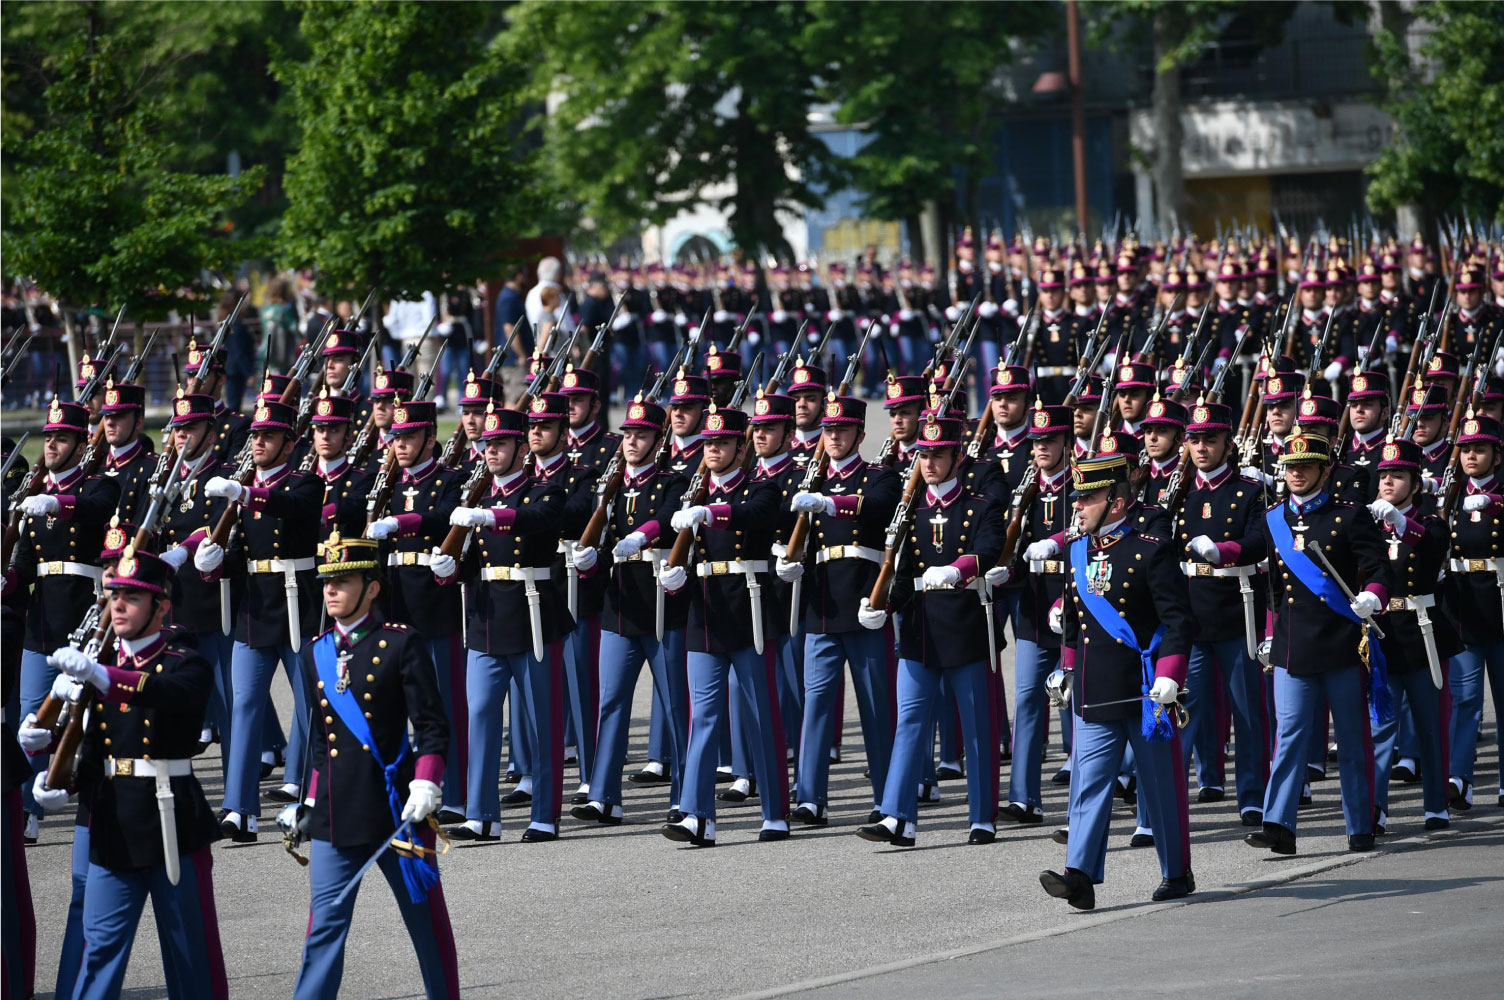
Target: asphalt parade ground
622	912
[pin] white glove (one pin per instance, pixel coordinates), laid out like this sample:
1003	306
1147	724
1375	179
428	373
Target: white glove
1366	604
779	316
673	578
175	557
383	528
904	315
1164	691
1218	365
689	518
1477	501
1256	474
813	503
1392	343
787	571
1043	549
219	486
659	316
1499	368
836	315
40	505
443	566
681	320
753	338
694	335
630	546
1056	618
32	739
893	329
1203	546
622	321
720	316
583	558
79	666
869	616
48	799
1332	372
208	556
952	313
998	576
987	309
287	816
1430	483
472	517
1383	510
423	798
1011	307
863	322
66	687
941	578
934	335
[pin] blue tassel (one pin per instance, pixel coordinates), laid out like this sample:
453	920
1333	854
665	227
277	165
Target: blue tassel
420	877
1380	702
1155	728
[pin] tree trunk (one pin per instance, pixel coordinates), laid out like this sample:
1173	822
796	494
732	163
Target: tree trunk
1169	180
912	227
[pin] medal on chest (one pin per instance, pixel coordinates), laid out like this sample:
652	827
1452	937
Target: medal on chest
1300	530
631	497
343	665
187	503
409	497
1054	333
1099	573
1394	549
1206	512
937	530
1007	465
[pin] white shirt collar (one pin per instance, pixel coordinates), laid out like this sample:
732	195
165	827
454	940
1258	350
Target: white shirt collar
417	470
633	471
326	467
805	437
584	432
549	463
123	449
134	646
357	623
266	475
846	463
685	442
944	491
1107	528
507	482
720	479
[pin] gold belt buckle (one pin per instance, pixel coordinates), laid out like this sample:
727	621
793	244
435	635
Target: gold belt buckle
1477	565
124	767
836	552
1203	569
261	566
1052	565
1396	604
54	568
719	569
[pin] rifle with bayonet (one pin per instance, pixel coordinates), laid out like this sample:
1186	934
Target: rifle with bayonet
455	446
1151	343
215	348
365	442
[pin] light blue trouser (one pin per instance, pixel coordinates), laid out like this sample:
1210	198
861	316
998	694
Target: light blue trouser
582	679
186	925
37	676
1241	681
621	664
541	683
450	668
825	659
330	869
251	670
71	960
1430	711
217	648
1299	703
918	698
1098	753
1032	664
791	686
1468	669
708	693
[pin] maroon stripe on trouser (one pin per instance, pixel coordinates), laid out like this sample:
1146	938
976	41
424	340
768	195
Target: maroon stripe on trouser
556	724
1182	803
773	730
1368	762
438	914
27	916
457	665
203	871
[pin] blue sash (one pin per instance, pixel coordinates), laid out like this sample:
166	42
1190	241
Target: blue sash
1380	707
1156	721
419	875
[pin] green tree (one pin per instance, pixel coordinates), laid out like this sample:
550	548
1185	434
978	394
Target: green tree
98	213
409	173
653	107
1447	98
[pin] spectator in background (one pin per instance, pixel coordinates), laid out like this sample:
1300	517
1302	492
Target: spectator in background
620	359
405	321
240	350
545	300
509	312
460	326
279	325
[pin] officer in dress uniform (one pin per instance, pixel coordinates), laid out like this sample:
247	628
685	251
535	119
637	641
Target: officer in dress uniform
150	825
130	461
276	533
1223	506
374	680
1314	635
1124	650
636	528
1418	634
232	427
953	537
848	520
728	629
56	558
1473	591
517	617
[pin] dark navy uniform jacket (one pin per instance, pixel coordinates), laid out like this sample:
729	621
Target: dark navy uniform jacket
131	470
741	528
578	484
786	478
1225	509
74	534
1417	556
279	521
1472	591
195	598
865	496
422	504
644	503
1050	515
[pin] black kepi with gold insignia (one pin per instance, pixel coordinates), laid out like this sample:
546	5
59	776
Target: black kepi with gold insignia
1088	475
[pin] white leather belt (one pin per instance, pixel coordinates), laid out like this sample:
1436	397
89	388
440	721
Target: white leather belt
726	567
1419	602
1054	371
973	585
647	556
409	558
515	574
848	552
279	565
131	767
1207	569
1472	565
1046	565
62	567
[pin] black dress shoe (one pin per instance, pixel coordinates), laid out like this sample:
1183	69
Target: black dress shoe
681	834
1404	773
1005	756
1458	798
735	793
724	777
1073	887
674	816
279	794
1061	777
878	833
1437	822
511	777
266	770
1062	835
489	831
579	798
1315	772
1127	790
981	837
517	797
1021	813
449	814
875	816
240	833
646	777
1253	818
947	773
1141	840
1210	795
1359	842
1175	888
1305	794
590	814
769	836
809	817
1272	837
535	836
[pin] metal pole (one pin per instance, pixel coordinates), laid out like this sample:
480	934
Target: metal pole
1078	112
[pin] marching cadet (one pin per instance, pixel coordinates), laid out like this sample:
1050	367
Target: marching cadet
1473	592
1223	506
130	461
149	823
374	680
639	514
277	521
1368	415
1056	338
807	384
848	520
1009	449
1282	392
345	487
952	539
1122	686
548	414
1164	433
56	558
1314	633
1137	381
390	386
729	622
1084	415
590	445
1322	415
232	427
724	372
342	350
1429	409
1418	638
904	397
518	523
1475	320
479	392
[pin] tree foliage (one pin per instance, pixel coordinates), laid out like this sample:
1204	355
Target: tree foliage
409	173
1448	153
97	212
